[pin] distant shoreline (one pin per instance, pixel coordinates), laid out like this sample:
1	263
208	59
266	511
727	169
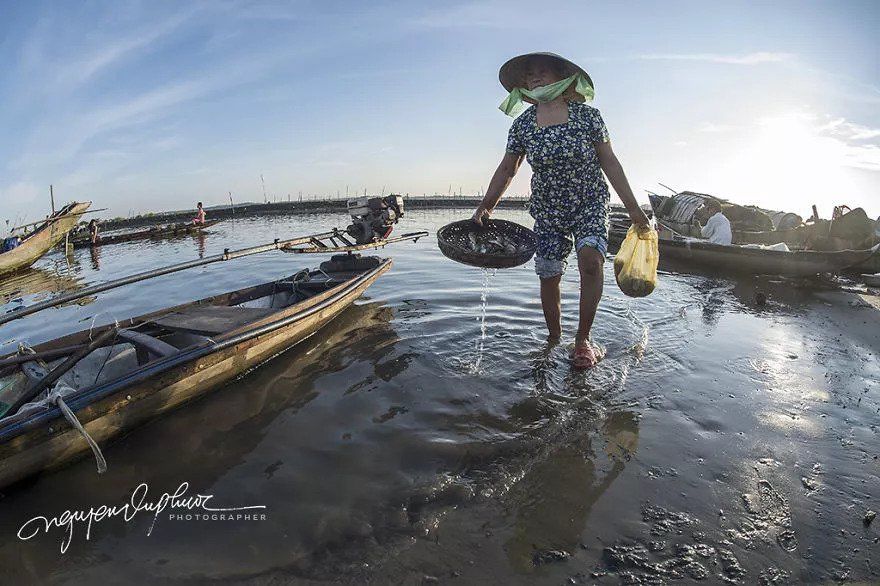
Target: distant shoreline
245	210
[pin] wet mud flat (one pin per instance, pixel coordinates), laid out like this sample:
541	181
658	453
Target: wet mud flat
761	470
431	435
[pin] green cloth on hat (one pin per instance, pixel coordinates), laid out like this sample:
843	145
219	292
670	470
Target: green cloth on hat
512	105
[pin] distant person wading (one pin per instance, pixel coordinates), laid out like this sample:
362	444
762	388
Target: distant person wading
94	237
567	145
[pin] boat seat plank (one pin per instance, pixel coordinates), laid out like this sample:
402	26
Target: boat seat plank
144	344
208	320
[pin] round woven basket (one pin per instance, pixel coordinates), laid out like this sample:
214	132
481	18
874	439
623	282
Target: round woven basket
454	243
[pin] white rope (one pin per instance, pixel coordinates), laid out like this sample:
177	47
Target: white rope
95	318
56	396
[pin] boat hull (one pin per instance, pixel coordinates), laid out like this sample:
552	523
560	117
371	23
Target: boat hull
43	443
797	237
757	261
167	232
872	265
32	248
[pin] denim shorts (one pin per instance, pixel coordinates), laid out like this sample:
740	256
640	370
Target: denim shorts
555	245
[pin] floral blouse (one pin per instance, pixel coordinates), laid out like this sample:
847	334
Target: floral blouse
567	180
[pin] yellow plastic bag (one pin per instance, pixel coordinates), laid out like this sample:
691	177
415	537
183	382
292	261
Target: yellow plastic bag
635	265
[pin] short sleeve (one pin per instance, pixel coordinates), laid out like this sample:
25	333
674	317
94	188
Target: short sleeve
597	126
515	145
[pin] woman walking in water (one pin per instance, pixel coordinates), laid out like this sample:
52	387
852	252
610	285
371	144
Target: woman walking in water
567	145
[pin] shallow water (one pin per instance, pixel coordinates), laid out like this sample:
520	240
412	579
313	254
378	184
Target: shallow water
431	431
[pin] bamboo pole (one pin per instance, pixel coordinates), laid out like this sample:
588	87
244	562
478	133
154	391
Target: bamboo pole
316	247
56	218
17	359
227	255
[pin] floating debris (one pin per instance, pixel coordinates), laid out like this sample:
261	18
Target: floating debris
869	517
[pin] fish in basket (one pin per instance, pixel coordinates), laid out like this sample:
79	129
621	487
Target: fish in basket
496	244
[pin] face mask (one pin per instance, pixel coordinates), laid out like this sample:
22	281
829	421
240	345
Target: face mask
513	105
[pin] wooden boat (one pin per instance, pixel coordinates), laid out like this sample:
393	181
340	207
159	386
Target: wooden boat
794	237
756	261
163	231
43	238
153	363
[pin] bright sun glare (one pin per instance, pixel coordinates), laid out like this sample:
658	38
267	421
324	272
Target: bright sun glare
792	162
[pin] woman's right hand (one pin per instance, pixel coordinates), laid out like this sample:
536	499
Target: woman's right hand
480	214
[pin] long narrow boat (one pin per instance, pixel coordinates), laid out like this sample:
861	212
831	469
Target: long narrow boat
155	362
43	238
757	261
796	237
163	231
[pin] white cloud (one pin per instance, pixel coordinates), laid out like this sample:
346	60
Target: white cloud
745	59
840	128
113	51
711	127
829	141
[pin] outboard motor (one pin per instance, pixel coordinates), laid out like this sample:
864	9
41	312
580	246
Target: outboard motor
373	217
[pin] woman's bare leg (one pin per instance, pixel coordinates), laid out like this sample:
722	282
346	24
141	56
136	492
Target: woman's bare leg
550	302
590	264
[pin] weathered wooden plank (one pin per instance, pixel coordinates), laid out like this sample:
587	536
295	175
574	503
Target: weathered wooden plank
211	319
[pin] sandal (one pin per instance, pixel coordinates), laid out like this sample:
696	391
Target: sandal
586	356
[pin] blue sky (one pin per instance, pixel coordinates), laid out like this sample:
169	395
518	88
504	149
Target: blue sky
153	105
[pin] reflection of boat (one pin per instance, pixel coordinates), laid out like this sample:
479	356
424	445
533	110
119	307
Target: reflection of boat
162	359
164	231
46	235
38	282
756	261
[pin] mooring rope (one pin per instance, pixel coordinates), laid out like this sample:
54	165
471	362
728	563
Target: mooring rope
56	395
